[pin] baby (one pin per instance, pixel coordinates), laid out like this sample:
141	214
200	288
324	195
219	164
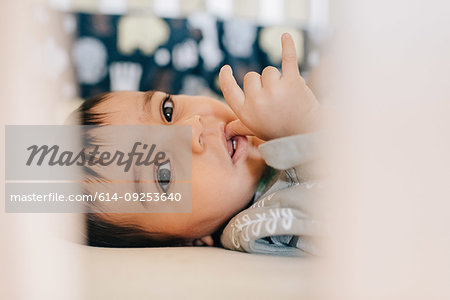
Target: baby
226	162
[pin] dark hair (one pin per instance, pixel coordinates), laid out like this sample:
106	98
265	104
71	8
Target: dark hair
86	114
101	232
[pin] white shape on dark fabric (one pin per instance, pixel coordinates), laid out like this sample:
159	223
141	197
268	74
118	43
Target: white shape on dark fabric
90	57
209	45
125	76
193	85
239	36
146	33
185	55
162	57
269	41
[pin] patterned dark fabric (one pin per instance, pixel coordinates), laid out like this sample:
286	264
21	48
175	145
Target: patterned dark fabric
173	55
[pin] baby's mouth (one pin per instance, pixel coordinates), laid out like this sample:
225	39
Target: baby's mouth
231	144
237	147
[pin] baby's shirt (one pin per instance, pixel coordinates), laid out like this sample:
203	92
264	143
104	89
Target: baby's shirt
282	219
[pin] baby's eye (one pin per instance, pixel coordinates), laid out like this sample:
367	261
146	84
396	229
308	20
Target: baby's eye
163	176
167	109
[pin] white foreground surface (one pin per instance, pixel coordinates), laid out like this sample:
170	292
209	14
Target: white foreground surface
195	273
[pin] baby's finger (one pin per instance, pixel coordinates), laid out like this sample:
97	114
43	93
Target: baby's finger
207	240
236	127
289	64
198	242
269	76
231	91
252	83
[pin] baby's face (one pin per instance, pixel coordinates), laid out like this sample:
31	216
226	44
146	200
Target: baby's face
223	183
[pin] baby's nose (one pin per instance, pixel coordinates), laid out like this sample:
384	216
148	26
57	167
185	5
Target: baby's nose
197	132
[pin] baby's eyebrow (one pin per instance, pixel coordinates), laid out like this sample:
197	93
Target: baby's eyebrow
147	99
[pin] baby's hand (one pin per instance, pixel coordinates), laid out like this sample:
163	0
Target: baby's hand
272	105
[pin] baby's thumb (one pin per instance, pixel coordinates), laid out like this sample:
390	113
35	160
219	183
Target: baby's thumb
236	127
